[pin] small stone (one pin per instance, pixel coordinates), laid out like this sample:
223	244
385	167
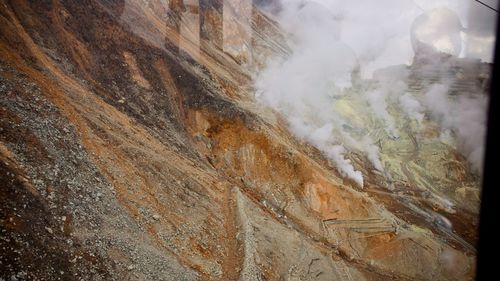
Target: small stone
49	230
130	267
63	218
156	217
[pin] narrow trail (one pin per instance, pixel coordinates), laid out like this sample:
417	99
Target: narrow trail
233	258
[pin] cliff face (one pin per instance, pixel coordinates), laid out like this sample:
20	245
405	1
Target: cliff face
132	149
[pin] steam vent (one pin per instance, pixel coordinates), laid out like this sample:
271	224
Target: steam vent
133	147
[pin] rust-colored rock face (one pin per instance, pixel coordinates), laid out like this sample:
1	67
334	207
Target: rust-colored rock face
131	148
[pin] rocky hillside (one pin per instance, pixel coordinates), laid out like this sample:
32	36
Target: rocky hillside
132	148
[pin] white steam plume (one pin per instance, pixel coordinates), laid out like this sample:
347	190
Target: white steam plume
337	43
464	116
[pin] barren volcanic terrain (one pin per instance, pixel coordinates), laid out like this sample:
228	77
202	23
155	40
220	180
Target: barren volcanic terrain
132	148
